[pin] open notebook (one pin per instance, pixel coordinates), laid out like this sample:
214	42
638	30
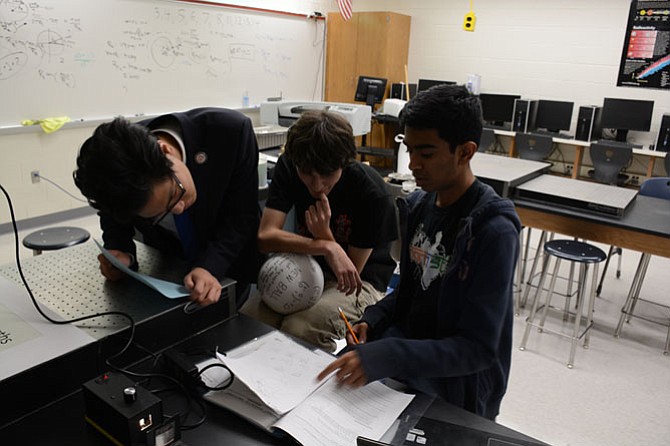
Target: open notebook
275	387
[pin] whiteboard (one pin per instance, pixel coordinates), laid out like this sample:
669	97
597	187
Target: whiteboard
90	59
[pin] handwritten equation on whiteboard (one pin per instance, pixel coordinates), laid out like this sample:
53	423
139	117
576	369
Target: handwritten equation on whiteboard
31	39
65	43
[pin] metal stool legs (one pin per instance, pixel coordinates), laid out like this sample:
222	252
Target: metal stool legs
628	309
613	250
520	266
533	269
583	299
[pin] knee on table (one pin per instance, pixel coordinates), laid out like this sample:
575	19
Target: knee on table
321	331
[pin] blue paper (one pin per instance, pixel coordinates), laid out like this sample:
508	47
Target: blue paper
170	290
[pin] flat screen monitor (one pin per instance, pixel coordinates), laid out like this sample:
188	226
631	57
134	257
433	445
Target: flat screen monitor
425	84
370	90
626	114
497	109
554	116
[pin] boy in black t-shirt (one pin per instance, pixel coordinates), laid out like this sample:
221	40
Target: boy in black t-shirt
345	218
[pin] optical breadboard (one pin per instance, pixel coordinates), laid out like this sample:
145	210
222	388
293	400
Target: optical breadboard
69	283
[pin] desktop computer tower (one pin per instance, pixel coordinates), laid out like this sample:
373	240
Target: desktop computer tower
523	115
588	123
663	141
399	90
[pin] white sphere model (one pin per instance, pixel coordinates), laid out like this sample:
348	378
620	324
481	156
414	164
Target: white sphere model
290	282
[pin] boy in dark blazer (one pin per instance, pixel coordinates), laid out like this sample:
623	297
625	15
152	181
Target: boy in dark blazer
187	183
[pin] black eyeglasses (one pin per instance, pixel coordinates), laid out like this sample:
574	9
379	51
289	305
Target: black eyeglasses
171	203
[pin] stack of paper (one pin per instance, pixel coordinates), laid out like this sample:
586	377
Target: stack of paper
275	387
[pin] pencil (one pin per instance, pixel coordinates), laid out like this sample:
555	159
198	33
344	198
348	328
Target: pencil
346	322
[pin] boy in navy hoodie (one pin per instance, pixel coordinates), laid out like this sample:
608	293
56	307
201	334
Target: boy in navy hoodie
447	328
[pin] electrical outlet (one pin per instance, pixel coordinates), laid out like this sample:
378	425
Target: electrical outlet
568	169
35	176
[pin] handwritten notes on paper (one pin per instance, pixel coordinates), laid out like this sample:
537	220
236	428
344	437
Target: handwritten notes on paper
275	387
289	373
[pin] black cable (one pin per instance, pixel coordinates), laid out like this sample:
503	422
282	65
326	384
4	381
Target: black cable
202	406
32	296
209	366
63	322
184	392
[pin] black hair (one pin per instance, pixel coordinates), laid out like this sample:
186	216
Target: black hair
321	142
452	110
118	166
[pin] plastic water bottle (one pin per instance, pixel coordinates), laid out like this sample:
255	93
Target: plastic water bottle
245	99
473	84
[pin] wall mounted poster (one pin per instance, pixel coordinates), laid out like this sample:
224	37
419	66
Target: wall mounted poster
645	60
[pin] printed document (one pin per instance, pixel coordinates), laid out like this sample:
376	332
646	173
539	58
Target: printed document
275	387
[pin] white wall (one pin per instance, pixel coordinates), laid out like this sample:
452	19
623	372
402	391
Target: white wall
562	50
53	155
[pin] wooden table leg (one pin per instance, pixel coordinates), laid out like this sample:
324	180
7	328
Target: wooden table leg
577	165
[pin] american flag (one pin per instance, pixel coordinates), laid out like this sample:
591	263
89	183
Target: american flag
345	8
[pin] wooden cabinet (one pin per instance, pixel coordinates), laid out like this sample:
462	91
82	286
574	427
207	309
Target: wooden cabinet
372	44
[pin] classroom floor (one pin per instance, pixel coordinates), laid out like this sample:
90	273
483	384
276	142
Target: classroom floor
618	392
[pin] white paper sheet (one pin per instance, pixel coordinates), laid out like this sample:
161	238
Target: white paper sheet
241	400
336	415
276	373
26	338
279	370
170	290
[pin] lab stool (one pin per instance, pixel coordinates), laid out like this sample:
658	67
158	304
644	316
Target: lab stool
58	237
524	284
628	310
576	252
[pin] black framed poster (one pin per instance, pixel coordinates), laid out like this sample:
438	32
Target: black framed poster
645	59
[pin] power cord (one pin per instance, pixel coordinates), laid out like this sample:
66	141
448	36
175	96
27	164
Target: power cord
223	387
108	363
37	174
34	300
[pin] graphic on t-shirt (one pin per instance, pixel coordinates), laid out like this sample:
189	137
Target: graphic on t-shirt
429	256
342	228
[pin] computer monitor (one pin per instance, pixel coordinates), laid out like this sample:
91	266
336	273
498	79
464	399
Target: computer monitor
553	116
425	84
626	114
497	109
370	90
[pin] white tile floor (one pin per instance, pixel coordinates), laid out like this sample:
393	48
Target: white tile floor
617	394
619	390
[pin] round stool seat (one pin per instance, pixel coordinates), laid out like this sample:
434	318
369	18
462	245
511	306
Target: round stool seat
575	251
58	237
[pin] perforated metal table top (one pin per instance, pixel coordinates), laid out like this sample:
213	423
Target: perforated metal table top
69	282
